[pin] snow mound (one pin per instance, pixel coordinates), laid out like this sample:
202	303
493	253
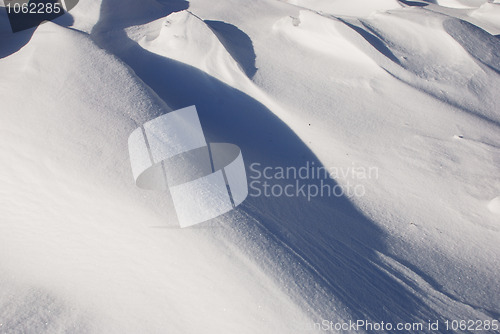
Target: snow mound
184	37
407	91
481	45
441	56
489	12
75	227
321	34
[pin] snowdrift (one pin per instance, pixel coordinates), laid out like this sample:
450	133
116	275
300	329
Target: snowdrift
408	88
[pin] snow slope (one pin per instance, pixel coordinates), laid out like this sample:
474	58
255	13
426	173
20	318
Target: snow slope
406	88
81	249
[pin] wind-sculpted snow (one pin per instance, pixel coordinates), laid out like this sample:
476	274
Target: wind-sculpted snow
481	45
460	4
171	37
488	13
462	73
408	90
237	43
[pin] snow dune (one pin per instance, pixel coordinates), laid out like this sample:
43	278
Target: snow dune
171	38
409	89
81	249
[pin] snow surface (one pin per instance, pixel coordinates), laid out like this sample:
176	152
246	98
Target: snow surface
409	87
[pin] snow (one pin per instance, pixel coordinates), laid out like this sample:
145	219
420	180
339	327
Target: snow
411	90
458	3
76	229
347	7
488	13
170	38
494	205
